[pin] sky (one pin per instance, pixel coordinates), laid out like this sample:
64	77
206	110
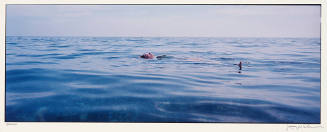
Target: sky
164	20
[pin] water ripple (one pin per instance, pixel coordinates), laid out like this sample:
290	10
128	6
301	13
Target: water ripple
102	79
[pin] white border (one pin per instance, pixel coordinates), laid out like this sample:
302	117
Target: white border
161	127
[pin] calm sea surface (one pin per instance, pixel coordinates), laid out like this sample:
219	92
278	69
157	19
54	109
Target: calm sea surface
102	79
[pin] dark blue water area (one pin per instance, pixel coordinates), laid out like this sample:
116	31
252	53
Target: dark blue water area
103	79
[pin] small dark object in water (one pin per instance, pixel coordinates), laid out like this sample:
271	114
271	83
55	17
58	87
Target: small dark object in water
161	56
239	65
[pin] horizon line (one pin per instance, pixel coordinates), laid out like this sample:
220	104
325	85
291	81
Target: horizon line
154	36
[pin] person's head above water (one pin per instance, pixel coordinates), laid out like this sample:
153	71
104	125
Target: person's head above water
147	56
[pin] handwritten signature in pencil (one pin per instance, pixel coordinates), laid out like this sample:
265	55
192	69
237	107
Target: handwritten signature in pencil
302	126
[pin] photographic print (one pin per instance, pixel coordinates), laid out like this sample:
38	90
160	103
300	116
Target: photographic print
163	63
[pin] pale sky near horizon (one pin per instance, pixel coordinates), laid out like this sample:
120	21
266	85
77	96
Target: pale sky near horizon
164	20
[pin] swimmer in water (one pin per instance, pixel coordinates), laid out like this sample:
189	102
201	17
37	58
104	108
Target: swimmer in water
147	56
151	56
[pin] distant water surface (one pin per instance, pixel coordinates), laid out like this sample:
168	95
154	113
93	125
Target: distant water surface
102	79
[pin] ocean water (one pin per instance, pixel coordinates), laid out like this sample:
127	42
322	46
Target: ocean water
103	79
